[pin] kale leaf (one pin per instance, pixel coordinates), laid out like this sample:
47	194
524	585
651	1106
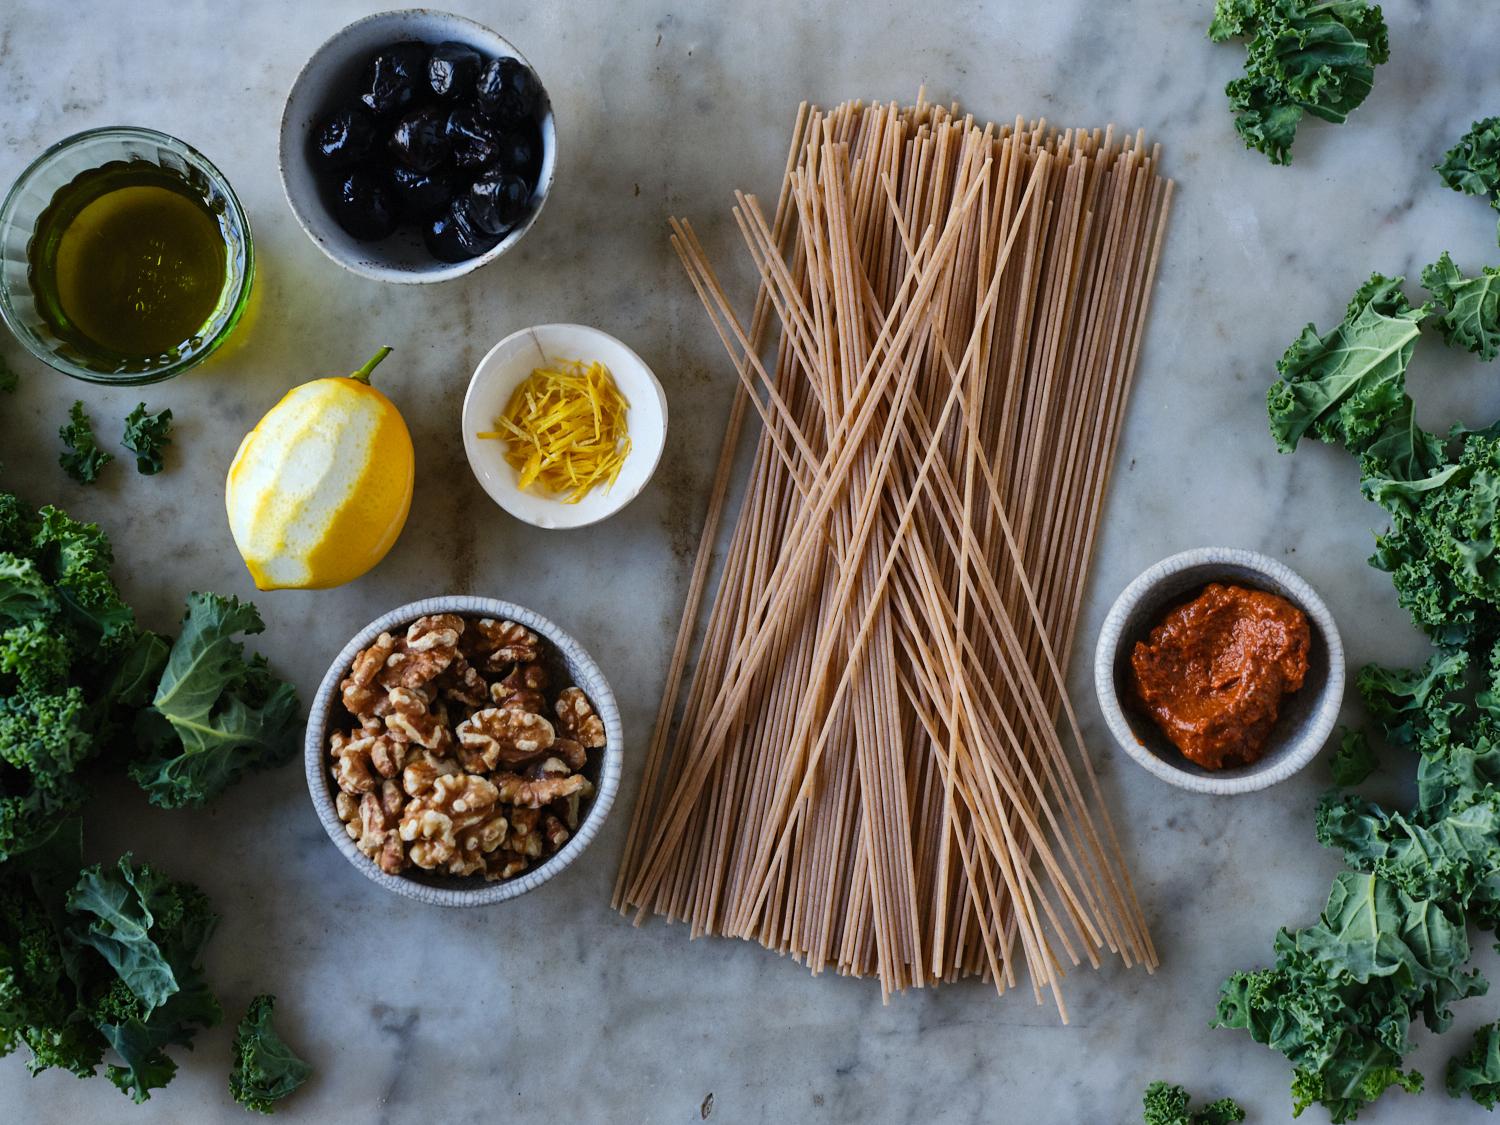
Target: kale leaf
215	715
1167	1104
1471	306
1476	1072
1353	760
1348	387
1303	56
81	458
265	1068
1472	166
147	436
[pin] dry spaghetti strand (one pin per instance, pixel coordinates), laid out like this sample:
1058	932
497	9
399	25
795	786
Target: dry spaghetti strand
875	766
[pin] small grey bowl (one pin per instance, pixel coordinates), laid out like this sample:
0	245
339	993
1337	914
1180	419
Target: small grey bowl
325	81
1307	716
447	890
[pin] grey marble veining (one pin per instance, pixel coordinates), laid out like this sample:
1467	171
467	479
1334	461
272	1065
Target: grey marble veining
552	1007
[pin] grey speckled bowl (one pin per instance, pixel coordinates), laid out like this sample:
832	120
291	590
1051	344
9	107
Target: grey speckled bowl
445	890
1307	717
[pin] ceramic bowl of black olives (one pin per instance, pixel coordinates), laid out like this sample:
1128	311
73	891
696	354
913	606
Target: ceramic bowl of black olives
417	146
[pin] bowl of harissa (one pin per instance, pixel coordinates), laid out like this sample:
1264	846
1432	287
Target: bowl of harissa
1306	717
566	664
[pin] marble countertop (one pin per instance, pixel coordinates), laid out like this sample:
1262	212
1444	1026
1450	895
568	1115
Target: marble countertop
553	1007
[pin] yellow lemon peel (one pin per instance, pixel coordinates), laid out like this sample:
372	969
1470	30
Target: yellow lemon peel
565	429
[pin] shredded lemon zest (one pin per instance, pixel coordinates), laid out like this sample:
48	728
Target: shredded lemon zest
565	430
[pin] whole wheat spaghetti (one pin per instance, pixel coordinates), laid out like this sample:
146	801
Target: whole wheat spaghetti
867	771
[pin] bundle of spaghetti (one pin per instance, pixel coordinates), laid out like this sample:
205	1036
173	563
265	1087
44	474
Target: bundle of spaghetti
876	767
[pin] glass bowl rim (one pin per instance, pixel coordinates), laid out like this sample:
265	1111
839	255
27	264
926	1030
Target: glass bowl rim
32	343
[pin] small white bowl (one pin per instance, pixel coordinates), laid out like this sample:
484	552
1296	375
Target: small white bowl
446	890
1307	716
504	369
325	82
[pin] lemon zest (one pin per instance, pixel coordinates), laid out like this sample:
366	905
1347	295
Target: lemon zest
565	430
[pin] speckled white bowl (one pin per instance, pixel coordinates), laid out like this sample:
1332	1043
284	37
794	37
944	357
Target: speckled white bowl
1307	717
325	81
507	365
445	890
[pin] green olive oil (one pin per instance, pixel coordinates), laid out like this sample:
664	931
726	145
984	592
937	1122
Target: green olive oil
128	263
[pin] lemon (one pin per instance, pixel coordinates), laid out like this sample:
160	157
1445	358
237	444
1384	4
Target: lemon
320	489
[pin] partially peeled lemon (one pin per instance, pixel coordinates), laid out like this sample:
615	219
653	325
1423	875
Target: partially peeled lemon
320	489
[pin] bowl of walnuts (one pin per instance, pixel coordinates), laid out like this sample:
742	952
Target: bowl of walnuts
462	751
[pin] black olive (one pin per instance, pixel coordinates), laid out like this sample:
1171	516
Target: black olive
420	139
474	140
453	235
343	139
516	155
507	90
365	205
421	194
498	201
452	69
394	79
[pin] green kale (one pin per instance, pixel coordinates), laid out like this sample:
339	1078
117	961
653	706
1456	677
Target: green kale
147	436
1344	992
81	458
1471	306
1303	56
1348	387
215	715
1473	165
265	1068
1167	1104
1353	760
1476	1072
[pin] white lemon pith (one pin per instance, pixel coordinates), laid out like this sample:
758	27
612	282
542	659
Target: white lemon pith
320	489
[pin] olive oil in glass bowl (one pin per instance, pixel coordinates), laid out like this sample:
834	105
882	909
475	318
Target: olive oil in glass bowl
124	256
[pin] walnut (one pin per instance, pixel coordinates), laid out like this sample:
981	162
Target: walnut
392	800
554	833
578	719
462	683
476	842
348	810
571	754
499	735
568	808
504	864
358	691
410	720
374	824
524	681
421	773
387	756
533	793
435	632
392	857
502	642
431	823
522	700
352	762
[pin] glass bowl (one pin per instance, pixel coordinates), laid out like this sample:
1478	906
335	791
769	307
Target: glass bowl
34	190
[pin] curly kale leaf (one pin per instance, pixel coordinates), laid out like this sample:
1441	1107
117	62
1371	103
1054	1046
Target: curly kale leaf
1353	760
1344	992
265	1068
1348	387
1441	545
1470	316
1476	1072
1472	166
215	715
81	458
147	436
1302	57
1167	1104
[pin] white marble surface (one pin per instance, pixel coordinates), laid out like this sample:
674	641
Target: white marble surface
553	1008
